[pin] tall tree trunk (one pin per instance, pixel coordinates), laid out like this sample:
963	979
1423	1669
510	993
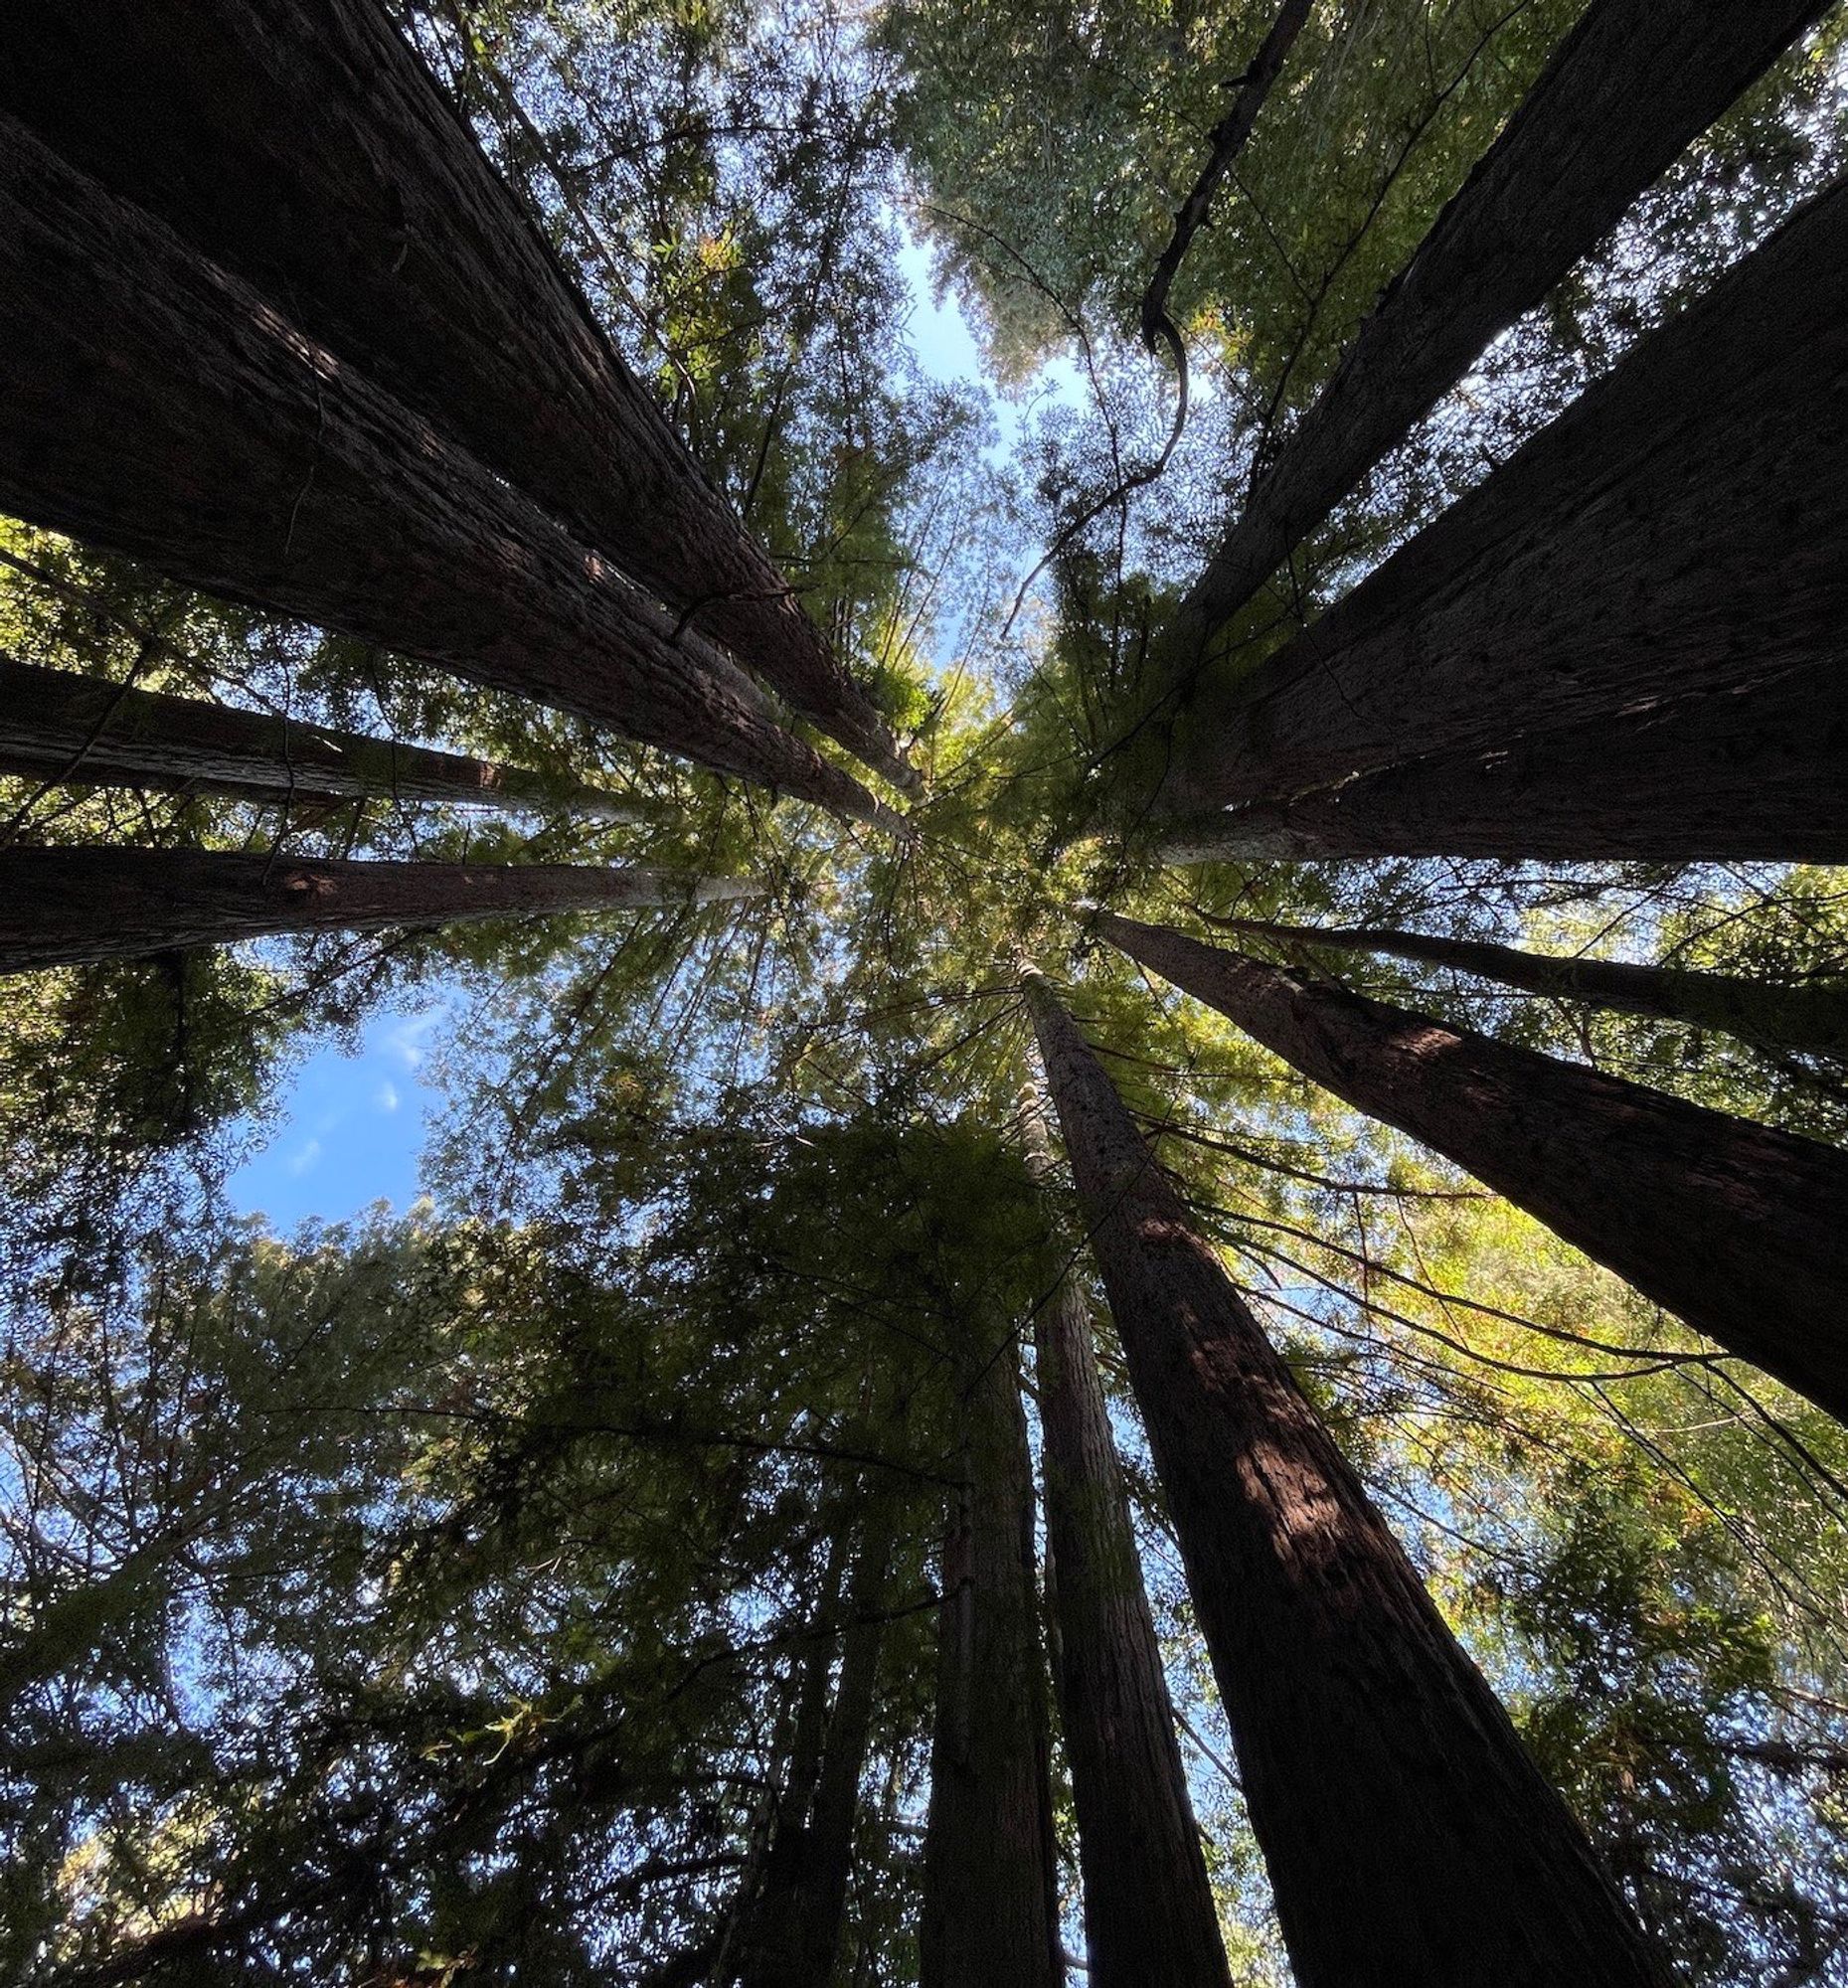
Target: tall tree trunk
62	906
1148	1907
990	1888
1409	1836
1656	576
303	145
1751	775
59	726
797	1927
158	407
1622	95
1739	1229
1806	1015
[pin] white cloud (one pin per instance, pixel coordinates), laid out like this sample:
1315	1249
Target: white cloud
298	1163
406	1041
385	1096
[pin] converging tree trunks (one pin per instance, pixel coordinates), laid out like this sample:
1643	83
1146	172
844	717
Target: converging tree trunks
1408	1834
1654	584
1148	1904
1807	1016
407	255
57	726
1623	94
160	407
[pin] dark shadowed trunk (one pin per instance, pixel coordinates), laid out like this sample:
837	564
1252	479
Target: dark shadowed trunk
1738	1229
1622	97
157	407
1654	584
303	145
1807	1016
795	1925
990	1888
1148	1907
1408	1834
58	727
60	907
1756	773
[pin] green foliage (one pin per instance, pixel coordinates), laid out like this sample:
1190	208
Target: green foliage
432	1599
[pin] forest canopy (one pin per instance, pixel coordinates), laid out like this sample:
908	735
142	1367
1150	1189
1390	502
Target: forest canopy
1109	746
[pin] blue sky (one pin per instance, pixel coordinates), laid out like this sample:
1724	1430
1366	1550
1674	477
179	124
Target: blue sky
350	1130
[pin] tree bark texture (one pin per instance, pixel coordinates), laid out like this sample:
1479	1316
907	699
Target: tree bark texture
1622	97
158	407
63	907
57	726
1739	1229
303	145
1149	1914
990	1915
796	1928
1409	1836
1754	773
1808	1016
1658	577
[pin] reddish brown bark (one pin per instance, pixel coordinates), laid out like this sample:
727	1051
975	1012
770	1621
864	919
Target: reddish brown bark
158	407
62	906
990	1888
1148	1907
1806	1015
1738	1229
1653	589
59	726
1623	94
1409	1836
303	145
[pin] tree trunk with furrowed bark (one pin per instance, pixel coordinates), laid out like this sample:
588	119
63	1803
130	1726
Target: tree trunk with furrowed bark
1408	1834
1625	93
1148	1904
1754	774
990	1916
303	145
61	728
158	407
1806	1015
63	906
1739	1229
1645	601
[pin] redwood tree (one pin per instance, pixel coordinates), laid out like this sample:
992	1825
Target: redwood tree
59	726
1409	1836
1803	1015
1739	1229
58	907
1704	780
1655	580
160	407
1148	1907
990	1916
1623	94
303	145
